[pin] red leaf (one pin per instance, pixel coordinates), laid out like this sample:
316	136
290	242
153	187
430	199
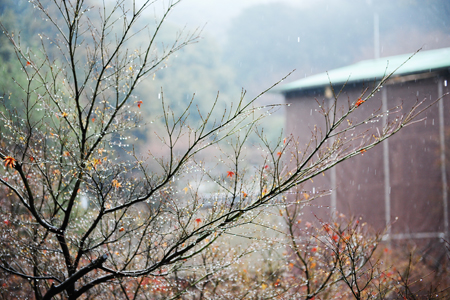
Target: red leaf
359	102
139	103
230	174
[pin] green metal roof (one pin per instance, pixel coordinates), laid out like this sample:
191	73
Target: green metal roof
374	69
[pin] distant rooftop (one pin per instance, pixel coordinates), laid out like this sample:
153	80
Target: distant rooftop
374	69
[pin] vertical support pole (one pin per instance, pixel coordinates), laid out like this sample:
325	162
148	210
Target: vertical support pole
443	162
333	195
387	179
333	190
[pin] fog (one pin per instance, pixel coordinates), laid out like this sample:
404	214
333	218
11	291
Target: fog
262	41
218	15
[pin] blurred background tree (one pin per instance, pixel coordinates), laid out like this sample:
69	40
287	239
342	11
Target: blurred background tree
250	45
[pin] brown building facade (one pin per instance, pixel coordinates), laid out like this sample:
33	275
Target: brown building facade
401	184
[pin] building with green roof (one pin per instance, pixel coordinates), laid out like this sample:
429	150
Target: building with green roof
422	62
403	183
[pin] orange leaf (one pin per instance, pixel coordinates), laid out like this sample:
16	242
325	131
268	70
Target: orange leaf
116	183
359	102
10	161
64	114
279	153
264	191
198	220
121	229
96	162
28	63
230	174
139	103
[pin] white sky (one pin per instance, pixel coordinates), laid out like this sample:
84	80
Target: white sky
217	13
